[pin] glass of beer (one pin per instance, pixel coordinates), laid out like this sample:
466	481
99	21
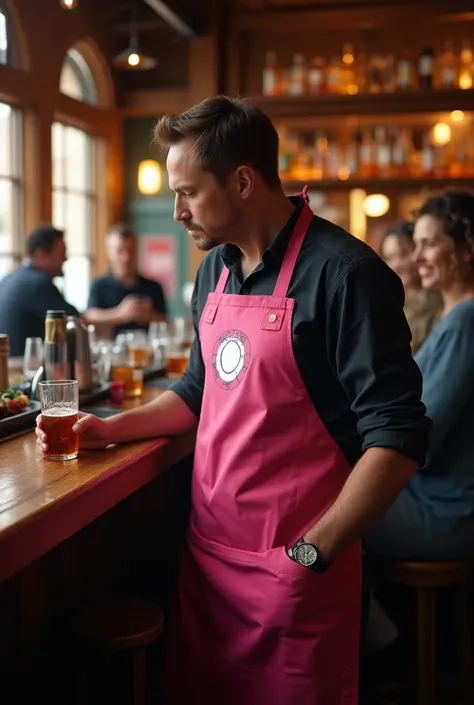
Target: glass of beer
59	408
123	370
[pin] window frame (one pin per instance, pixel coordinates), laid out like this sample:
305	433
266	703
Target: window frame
16	179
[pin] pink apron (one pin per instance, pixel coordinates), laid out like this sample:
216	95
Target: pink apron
252	626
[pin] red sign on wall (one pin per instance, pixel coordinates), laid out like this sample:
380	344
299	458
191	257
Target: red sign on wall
158	261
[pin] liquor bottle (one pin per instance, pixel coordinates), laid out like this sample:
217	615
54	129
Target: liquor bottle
383	154
376	78
448	67
333	76
347	76
271	75
426	68
427	155
466	66
55	346
367	162
405	72
299	76
401	152
316	76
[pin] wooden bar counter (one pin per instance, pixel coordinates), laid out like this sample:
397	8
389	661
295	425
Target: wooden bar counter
76	531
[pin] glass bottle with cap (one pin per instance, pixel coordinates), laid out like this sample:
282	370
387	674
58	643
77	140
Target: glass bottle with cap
55	346
4	355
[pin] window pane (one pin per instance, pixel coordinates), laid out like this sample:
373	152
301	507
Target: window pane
59	210
6	265
77	272
5	139
3	39
78	160
78	225
58	154
70	83
7	217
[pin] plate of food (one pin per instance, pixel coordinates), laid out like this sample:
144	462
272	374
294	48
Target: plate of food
17	412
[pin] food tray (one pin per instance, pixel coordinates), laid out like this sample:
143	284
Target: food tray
11	425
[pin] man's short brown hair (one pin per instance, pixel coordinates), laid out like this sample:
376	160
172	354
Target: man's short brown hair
226	133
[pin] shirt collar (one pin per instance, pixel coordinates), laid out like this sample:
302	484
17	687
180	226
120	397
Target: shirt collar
276	250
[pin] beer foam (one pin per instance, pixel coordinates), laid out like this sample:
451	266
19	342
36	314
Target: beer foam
60	411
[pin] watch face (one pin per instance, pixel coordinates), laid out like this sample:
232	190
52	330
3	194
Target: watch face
306	555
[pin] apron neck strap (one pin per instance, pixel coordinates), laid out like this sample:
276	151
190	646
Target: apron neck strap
291	254
292	251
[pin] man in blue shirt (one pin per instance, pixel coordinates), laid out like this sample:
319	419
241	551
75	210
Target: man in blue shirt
28	292
123	299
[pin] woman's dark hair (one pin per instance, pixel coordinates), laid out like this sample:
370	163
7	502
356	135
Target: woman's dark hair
225	133
455	211
401	228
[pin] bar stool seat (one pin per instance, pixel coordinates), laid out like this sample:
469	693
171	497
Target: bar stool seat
427	579
120	624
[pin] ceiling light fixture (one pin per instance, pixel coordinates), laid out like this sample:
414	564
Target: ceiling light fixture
69	4
132	58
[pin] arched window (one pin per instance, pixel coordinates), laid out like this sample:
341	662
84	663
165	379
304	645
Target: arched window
77	80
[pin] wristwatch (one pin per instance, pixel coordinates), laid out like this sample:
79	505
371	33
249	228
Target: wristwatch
308	556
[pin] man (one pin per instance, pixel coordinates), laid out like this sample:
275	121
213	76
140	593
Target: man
29	291
123	299
309	422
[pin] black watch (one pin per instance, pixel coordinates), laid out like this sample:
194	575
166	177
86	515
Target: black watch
308	556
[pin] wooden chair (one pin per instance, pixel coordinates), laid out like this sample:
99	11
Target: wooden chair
426	579
119	624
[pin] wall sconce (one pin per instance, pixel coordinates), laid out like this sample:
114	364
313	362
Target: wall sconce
149	177
69	4
376	205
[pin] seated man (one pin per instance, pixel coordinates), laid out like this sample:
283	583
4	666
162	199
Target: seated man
123	299
28	292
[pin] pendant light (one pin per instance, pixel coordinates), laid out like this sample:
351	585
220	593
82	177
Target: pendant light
132	59
69	4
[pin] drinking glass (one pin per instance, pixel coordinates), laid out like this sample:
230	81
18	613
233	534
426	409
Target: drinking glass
33	357
60	407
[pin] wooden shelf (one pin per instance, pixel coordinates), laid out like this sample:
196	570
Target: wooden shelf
433	101
376	185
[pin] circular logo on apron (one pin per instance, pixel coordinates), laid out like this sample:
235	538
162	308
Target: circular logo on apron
231	357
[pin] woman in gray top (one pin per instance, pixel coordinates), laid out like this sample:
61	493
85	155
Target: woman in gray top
433	517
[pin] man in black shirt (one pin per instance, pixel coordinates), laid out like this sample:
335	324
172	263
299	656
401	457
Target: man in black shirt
28	292
309	419
123	299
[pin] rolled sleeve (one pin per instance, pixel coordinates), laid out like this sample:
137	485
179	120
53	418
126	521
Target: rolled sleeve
369	340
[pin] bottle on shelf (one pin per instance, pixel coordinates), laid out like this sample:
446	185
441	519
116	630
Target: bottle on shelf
448	67
466	66
348	79
427	156
383	154
426	62
317	76
298	76
333	76
401	152
389	74
271	75
367	163
376	74
405	72
320	157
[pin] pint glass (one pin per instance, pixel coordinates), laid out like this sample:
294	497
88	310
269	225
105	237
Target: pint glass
59	407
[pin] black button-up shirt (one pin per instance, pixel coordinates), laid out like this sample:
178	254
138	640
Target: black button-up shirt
351	340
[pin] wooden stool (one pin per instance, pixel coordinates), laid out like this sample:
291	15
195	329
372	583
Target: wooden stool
122	624
427	578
